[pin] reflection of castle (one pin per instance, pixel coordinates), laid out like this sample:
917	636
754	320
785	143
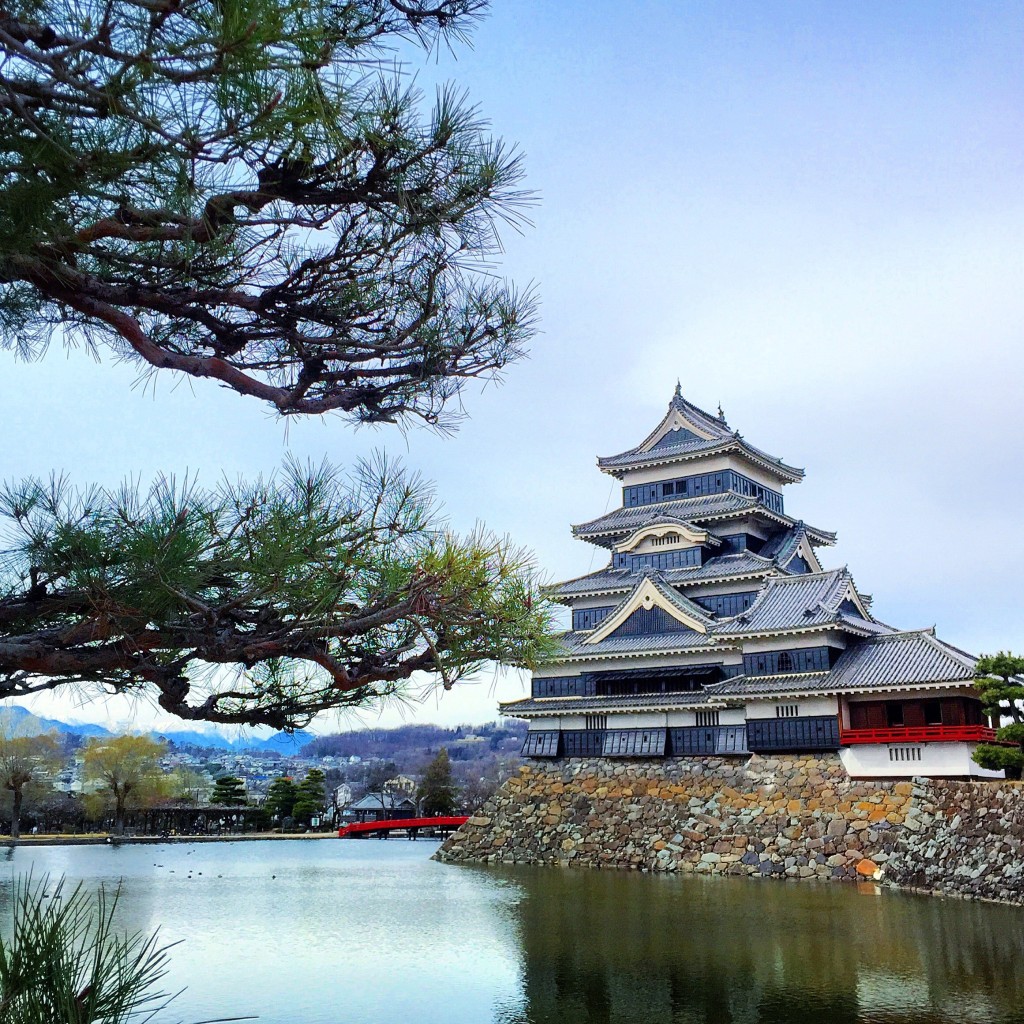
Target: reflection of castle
622	947
714	629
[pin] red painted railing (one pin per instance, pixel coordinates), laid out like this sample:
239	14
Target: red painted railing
919	734
393	824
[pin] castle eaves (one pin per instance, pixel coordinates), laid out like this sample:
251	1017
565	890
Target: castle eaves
705	509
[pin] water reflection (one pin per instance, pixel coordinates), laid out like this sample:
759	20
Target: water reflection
363	932
612	947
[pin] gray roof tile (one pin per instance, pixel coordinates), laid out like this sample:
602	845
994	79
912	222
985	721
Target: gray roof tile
530	706
796	602
707	508
633	459
791	682
720	436
912	658
574	644
916	656
612	581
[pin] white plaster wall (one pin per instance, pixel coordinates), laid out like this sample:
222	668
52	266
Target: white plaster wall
638	720
941	760
542	724
606	601
572	722
732	716
807	706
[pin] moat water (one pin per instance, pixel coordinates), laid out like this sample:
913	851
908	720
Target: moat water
360	932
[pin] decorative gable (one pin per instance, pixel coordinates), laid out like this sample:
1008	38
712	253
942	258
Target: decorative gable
664	533
651	598
650	622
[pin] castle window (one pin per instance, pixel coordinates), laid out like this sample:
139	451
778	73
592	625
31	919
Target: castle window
597	722
787	710
707	718
894	714
904	753
785	662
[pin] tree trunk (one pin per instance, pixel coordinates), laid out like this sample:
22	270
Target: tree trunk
16	816
119	816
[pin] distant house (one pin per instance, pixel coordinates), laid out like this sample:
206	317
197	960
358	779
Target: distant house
375	807
400	784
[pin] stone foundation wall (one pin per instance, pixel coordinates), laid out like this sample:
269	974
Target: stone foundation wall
784	817
967	840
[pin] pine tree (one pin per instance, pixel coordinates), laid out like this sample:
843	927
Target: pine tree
228	791
320	592
249	192
437	792
1000	684
310	798
281	796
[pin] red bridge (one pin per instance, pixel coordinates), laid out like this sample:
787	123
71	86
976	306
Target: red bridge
358	828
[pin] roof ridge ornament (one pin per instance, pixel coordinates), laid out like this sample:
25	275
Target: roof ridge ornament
679	388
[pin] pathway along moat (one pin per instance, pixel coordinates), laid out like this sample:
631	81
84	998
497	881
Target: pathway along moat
359	932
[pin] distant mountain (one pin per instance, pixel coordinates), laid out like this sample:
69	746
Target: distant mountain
199	739
21	721
281	742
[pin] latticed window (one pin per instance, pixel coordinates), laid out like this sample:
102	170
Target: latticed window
787	710
707	717
597	721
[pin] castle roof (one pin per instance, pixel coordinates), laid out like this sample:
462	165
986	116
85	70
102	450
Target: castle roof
889	661
912	656
576	644
604	530
688	432
529	707
777	554
810	600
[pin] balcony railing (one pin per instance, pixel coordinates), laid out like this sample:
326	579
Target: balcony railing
919	734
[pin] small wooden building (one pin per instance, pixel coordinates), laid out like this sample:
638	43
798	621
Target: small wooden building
382	807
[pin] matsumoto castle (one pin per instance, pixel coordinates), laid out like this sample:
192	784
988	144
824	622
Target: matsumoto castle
714	629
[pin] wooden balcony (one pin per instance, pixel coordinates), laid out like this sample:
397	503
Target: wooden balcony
919	734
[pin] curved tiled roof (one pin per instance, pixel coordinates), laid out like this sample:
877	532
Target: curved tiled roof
615	581
616	465
530	706
912	656
647	452
797	602
575	644
707	508
890	661
790	682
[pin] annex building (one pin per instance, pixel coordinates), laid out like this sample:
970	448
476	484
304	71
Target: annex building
715	629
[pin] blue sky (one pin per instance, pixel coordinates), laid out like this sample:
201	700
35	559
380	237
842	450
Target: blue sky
809	212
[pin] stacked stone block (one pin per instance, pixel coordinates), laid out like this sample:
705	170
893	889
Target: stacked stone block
770	817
